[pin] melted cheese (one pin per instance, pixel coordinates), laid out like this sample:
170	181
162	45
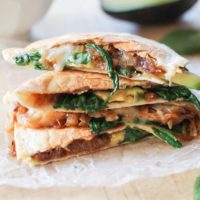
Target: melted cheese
61	54
147	128
117	138
127	95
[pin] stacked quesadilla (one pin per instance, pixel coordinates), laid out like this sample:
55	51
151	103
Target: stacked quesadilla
99	91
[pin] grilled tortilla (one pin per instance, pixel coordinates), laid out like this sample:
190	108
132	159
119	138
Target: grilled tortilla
39	137
77	91
64	114
103	90
131	56
43	92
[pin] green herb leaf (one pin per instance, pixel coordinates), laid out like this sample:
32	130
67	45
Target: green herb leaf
22	59
109	65
176	92
26	59
183	41
123	71
134	134
35	56
197	188
178	128
88	102
79	58
162	132
166	136
97	125
82	58
38	65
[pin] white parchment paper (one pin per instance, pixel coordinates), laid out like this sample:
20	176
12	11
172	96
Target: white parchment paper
112	167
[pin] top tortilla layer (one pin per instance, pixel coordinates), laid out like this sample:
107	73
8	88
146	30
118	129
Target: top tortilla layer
74	81
164	56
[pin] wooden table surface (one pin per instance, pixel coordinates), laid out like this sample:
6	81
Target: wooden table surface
174	187
86	16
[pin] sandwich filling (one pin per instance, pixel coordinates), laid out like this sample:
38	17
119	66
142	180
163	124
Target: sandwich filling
138	65
78	133
92	101
124	88
48	124
59	58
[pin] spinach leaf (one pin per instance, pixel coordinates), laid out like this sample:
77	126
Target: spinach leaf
134	134
183	41
197	189
82	58
26	59
22	59
88	102
162	132
38	66
166	136
35	56
123	71
176	92
79	58
126	71
176	128
109	66
98	125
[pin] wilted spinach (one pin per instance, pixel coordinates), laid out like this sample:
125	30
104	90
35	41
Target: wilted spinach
97	125
109	65
88	102
134	134
176	92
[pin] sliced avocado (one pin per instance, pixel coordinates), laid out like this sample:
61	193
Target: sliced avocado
147	11
121	95
187	79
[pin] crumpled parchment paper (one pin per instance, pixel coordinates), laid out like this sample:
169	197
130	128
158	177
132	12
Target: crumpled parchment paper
113	167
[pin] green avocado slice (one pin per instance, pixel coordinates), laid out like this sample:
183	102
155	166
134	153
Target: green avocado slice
187	79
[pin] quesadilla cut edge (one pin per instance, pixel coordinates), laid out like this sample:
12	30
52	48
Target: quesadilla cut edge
56	139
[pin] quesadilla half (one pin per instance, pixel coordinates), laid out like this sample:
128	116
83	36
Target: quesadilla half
124	55
64	114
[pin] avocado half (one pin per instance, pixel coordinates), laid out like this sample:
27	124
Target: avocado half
147	11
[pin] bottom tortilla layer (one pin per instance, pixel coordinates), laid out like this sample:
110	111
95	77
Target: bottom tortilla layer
42	146
77	147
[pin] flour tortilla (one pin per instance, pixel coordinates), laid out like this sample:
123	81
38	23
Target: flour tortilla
39	93
163	55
